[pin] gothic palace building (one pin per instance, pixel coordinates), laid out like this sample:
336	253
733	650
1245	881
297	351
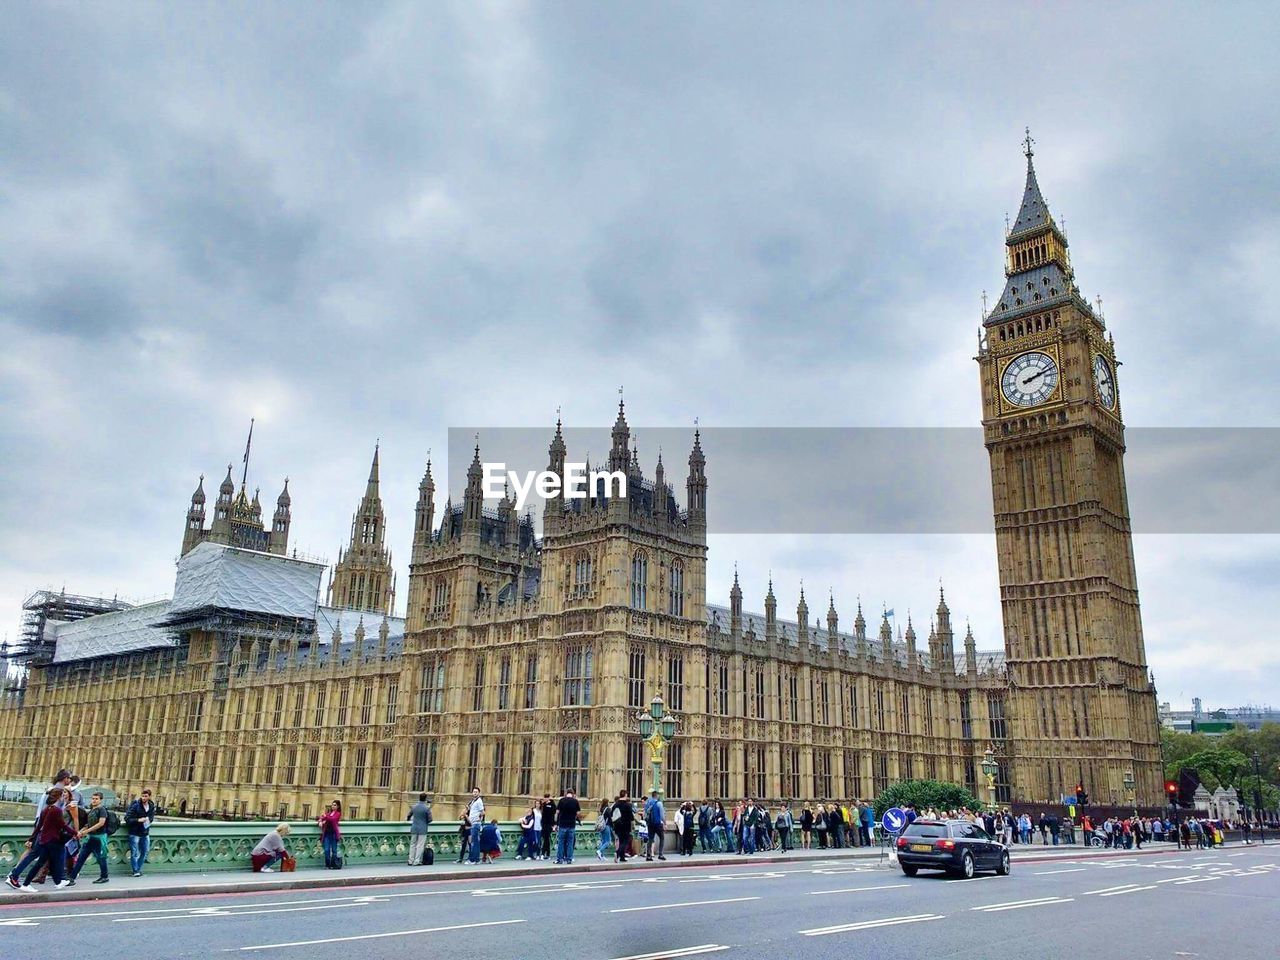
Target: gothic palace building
522	662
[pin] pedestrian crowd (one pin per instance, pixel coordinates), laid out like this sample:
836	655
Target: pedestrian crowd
68	831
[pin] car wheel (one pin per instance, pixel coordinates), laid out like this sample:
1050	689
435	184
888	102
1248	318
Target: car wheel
909	870
1003	868
966	865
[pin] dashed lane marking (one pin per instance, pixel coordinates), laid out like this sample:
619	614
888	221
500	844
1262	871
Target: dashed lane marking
672	954
887	886
380	936
1021	904
683	903
870	924
1117	893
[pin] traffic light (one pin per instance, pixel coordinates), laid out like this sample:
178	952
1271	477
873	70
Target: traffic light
1171	791
1082	798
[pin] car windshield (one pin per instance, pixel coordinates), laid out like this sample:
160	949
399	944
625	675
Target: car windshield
925	830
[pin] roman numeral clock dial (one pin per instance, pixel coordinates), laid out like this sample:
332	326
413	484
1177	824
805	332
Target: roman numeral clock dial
1105	381
1029	379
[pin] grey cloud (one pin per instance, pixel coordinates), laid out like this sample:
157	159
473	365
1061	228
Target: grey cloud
388	219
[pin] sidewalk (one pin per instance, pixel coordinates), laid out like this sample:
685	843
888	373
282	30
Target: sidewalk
222	881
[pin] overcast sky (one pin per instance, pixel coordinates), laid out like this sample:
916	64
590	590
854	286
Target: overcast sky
354	221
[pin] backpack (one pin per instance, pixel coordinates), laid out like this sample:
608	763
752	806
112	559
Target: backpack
428	857
112	823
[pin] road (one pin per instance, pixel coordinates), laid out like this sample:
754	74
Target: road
1211	904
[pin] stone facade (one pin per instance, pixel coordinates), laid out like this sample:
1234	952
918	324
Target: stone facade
523	662
1081	699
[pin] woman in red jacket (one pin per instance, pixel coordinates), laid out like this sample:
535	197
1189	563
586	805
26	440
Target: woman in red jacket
46	845
330	834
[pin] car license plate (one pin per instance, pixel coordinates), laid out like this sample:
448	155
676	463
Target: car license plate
922	847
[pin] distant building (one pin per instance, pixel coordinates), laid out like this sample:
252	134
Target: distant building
1217	722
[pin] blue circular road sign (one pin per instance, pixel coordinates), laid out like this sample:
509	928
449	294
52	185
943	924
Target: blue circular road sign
894	820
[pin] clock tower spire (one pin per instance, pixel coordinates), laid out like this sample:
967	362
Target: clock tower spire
1080	698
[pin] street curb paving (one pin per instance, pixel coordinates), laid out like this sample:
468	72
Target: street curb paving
329	881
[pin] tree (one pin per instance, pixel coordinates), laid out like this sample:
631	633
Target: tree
1217	766
924	794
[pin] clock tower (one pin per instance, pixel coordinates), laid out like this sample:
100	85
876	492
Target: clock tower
1082	705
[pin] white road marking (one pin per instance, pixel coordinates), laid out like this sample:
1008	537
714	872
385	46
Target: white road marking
887	886
1049	873
686	952
684	903
20	922
231	910
870	924
1189	876
1123	886
1196	880
1116	893
379	936
1019	904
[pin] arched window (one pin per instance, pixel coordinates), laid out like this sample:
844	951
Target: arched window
675	605
640	581
582	574
441	598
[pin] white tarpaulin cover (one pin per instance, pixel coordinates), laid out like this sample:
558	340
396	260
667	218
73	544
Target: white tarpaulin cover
213	575
117	632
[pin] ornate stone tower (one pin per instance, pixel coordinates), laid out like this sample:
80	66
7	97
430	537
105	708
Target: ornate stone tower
1081	704
362	578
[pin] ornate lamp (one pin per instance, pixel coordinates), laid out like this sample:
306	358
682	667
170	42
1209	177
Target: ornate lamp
989	770
657	728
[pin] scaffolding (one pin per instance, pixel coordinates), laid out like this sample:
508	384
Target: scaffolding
46	607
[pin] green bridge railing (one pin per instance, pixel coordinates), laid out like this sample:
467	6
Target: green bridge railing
199	845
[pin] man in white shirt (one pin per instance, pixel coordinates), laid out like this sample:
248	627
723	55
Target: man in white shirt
475	814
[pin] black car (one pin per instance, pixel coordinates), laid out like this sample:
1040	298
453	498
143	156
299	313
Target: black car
957	846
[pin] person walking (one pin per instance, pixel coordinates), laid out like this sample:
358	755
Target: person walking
720	829
604	829
868	818
806	827
419	821
783	824
750	821
655	818
690	817
464	837
270	849
704	824
138	819
548	824
475	814
528	845
835	826
568	813
622	817
45	846
330	823
99	823
820	826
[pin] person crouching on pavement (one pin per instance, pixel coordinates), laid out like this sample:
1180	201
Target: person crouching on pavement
270	849
490	842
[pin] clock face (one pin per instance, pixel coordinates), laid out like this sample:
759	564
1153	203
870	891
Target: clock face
1105	381
1029	379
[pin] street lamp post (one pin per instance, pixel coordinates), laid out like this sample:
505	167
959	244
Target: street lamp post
989	770
1130	791
1257	797
658	728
